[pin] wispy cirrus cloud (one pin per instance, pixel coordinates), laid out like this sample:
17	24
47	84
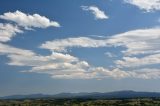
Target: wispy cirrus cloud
99	14
147	5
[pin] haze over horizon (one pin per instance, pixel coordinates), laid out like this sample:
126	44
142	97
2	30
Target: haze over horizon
59	46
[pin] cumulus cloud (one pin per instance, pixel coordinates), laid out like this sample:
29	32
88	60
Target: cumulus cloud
99	14
146	73
22	22
141	41
65	66
59	65
141	49
56	64
29	21
7	31
135	61
38	60
147	5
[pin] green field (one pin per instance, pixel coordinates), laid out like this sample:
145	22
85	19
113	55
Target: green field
81	102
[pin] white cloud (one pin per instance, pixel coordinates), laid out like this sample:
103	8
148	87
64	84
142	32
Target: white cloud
38	60
29	21
147	5
7	31
135	61
99	14
144	42
62	45
141	41
22	21
146	73
57	65
65	66
7	50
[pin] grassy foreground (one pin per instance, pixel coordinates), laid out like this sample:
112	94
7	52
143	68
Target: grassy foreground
81	102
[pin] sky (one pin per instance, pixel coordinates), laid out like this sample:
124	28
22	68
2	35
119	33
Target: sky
56	46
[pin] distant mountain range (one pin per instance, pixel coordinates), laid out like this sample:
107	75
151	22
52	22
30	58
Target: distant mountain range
93	95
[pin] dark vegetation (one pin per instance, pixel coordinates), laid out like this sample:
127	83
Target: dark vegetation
82	102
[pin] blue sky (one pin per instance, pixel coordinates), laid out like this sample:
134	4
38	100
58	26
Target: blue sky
79	46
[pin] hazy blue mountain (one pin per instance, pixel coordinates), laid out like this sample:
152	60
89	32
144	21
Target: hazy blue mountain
93	95
32	96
